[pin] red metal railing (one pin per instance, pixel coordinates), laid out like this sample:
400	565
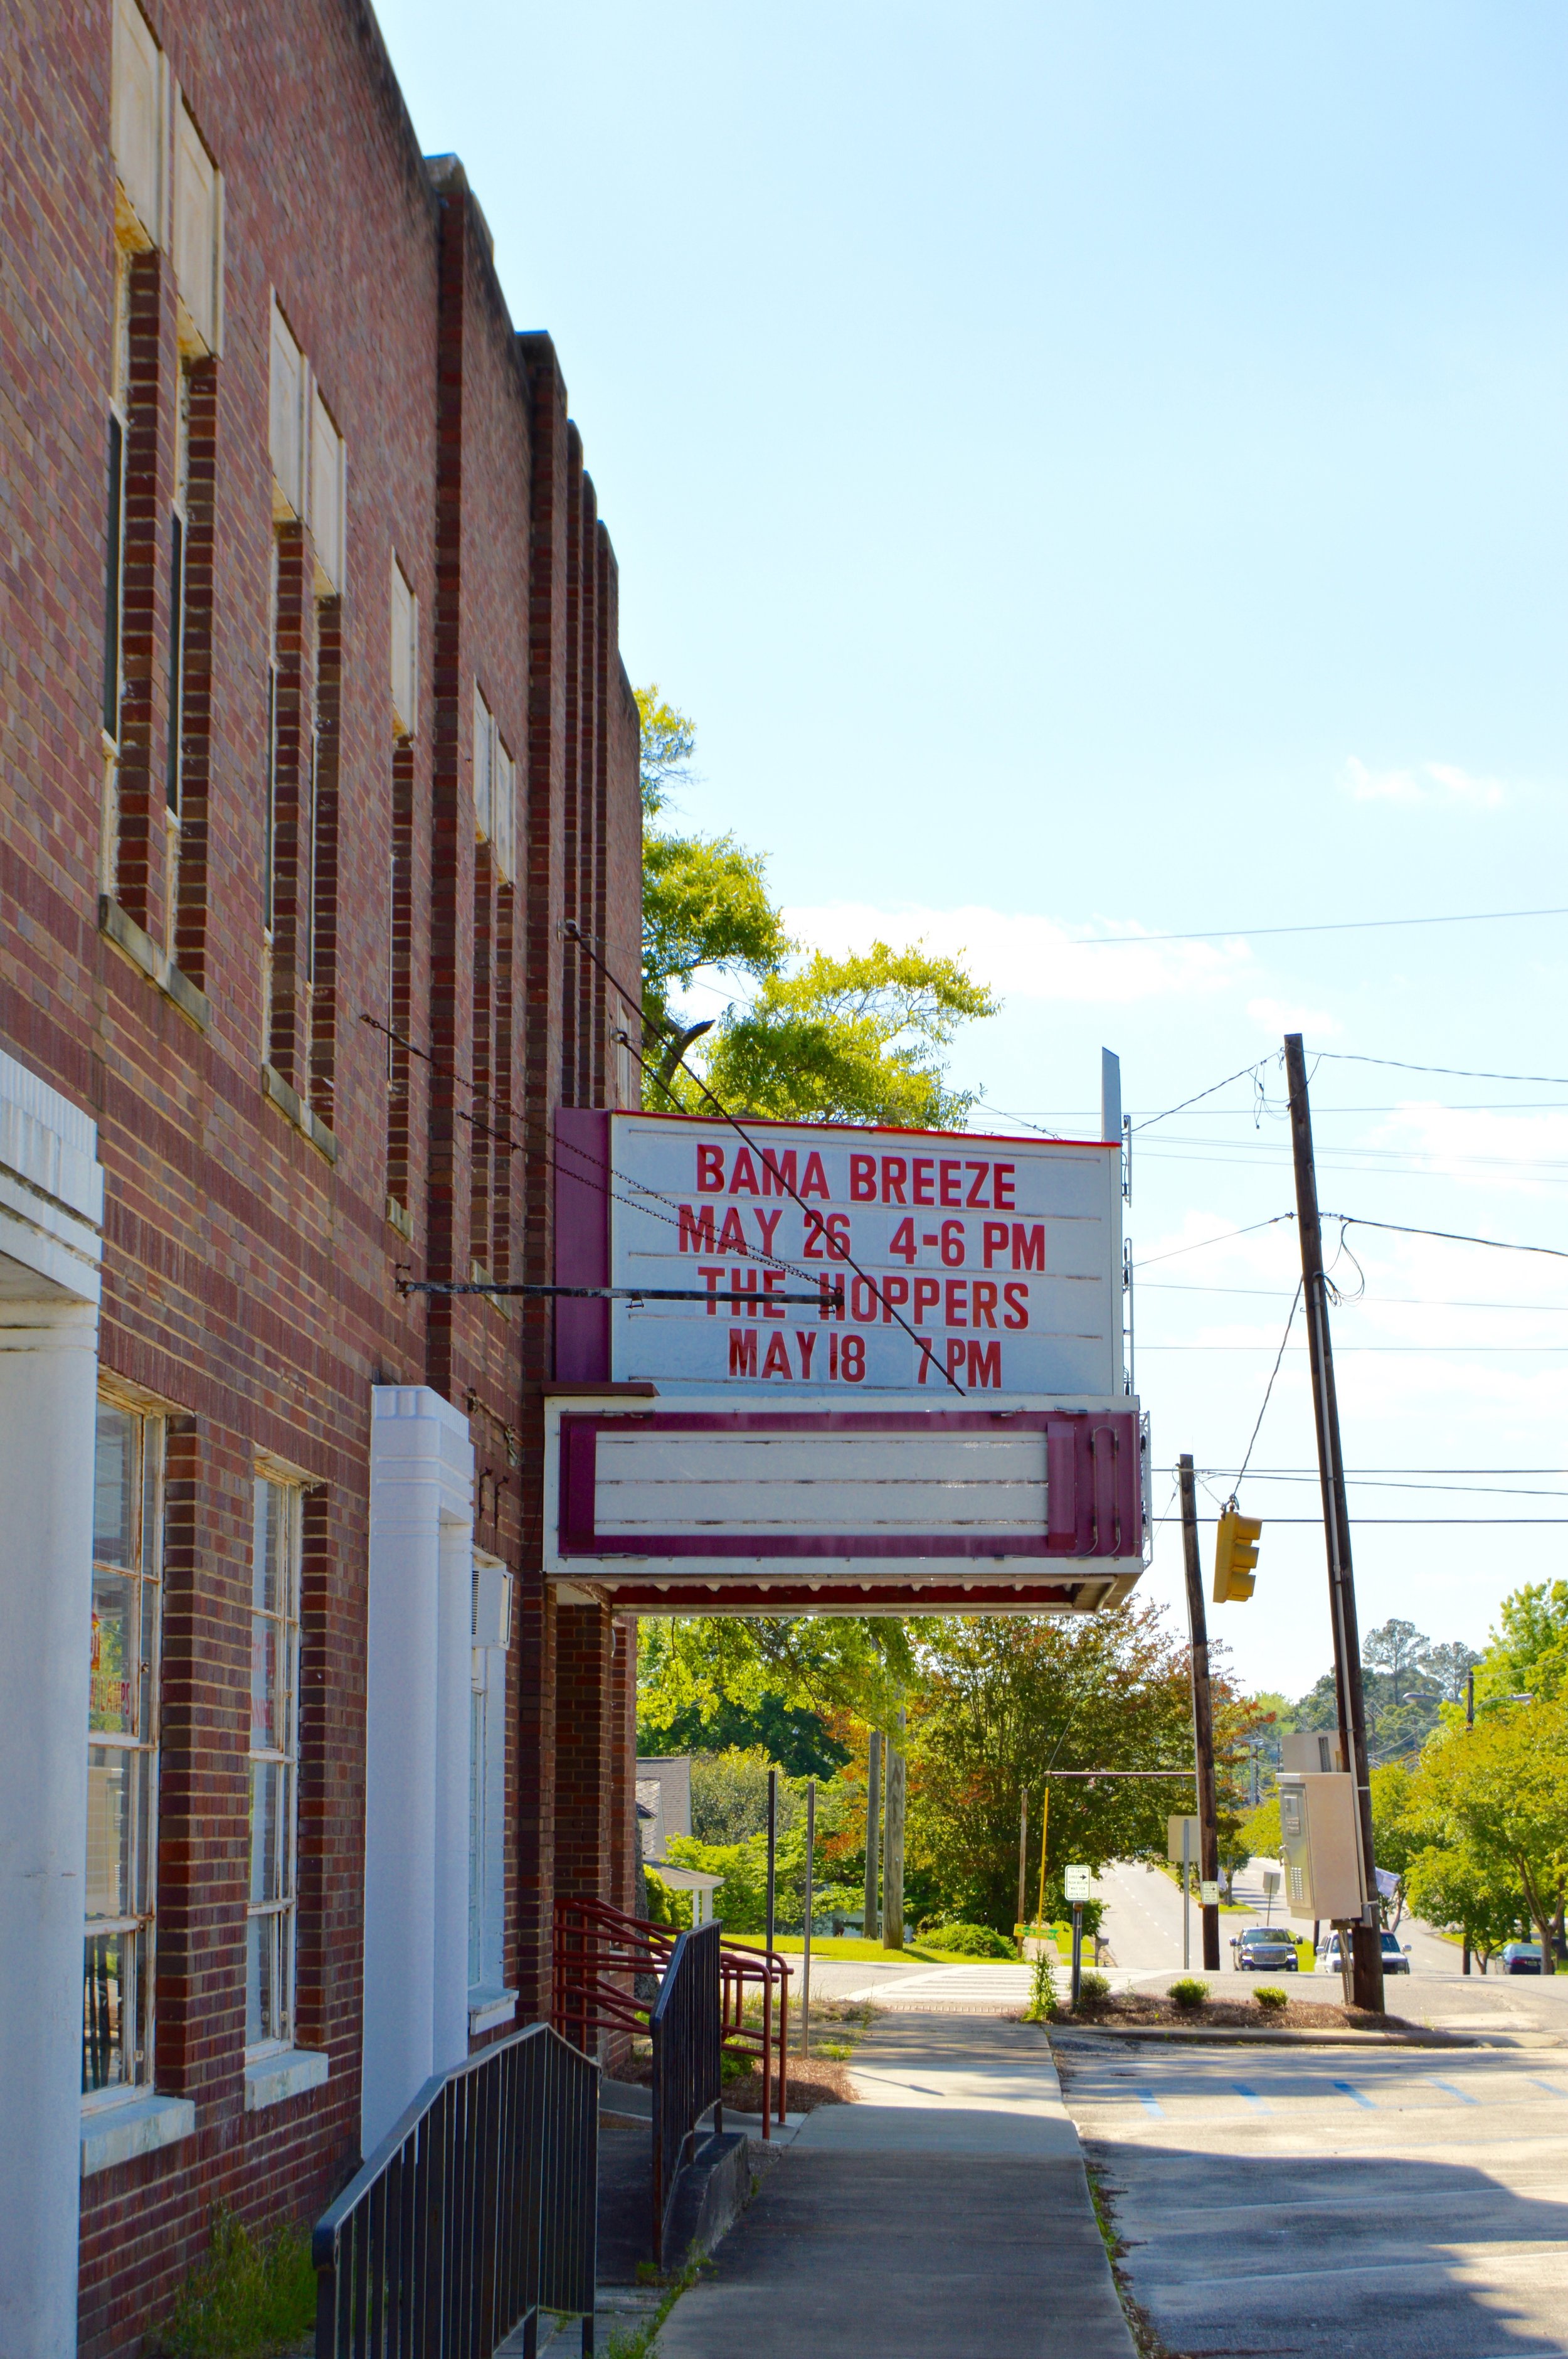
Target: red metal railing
601	1956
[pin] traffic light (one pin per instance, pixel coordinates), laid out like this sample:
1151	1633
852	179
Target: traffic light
1235	1557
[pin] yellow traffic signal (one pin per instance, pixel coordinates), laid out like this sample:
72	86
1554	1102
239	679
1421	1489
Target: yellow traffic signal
1235	1557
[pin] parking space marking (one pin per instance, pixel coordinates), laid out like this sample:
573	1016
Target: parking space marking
1463	2094
1151	2103
1253	2099
1348	2089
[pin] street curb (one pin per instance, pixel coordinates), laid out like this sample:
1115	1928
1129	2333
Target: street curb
1224	2034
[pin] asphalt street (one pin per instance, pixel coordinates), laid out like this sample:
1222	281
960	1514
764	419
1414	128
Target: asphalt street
1398	2204
1143	1923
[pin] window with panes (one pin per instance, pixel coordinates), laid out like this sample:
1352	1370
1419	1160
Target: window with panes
273	1765
121	1749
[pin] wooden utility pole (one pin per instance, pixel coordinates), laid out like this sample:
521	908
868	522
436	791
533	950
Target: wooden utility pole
1203	1716
1022	1855
1367	1941
870	1925
893	1848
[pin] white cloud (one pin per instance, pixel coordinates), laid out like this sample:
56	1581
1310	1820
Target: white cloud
1522	1154
1278	1016
1428	784
1024	957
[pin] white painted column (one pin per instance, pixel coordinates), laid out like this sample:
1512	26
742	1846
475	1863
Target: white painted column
415	1934
454	1734
51	1205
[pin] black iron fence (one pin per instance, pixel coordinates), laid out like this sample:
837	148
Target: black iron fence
477	2210
688	2076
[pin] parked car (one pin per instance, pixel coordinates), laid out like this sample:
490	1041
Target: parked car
1267	1949
1522	1957
1396	1960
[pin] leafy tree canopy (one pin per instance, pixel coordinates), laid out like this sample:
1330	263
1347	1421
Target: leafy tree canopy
1529	1654
1001	1700
1498	1792
856	1038
668	740
691	1672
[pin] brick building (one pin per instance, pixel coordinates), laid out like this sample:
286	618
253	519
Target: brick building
314	738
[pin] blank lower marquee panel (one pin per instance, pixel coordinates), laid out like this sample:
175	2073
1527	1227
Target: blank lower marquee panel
822	1510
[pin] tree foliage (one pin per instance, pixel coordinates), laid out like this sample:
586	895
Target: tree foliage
1529	1655
1001	1700
667	740
1498	1794
693	1671
856	1038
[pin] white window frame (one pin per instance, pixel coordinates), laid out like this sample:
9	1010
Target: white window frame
484	767
276	1758
135	1930
488	2000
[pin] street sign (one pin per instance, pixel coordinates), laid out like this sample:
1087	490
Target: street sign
1270	1879
995	1261
1173	1850
1075	1883
1208	1895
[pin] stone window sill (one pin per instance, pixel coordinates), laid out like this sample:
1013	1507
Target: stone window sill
487	2008
122	930
289	1102
119	2131
288	2073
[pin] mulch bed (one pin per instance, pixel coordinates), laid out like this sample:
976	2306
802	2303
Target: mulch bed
813	2080
1233	2015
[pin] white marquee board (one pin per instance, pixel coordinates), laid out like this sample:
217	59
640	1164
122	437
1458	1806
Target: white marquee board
1002	1254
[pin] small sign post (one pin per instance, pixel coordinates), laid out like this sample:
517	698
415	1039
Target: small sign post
1075	1886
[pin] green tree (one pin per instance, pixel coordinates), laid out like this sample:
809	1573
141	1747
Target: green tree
692	1673
667	740
999	1701
1460	1889
1500	1792
856	1038
1529	1655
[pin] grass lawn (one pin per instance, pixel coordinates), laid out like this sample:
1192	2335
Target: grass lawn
824	1945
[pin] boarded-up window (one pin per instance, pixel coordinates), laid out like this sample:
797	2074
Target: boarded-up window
404	655
484	767
288	421
503	797
326	498
138	119
198	235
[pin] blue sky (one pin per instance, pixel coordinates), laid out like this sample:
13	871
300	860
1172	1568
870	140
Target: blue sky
1101	471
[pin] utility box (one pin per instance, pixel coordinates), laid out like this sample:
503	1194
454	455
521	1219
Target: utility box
1319	1846
1316	1749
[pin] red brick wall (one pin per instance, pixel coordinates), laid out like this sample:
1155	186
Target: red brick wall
250	1279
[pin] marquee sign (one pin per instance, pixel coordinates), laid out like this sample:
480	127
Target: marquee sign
821	1368
947	1264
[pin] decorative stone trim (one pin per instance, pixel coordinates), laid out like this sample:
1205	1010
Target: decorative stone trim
489	2008
118	927
400	1218
289	1102
119	2132
272	2080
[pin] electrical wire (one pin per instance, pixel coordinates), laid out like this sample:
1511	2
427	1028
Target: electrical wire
1269	1387
1453	1073
1248	1072
633	1000
1333	926
1272	1221
1450	1236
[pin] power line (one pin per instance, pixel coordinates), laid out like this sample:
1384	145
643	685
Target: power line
1450	1236
1336	925
1272	1221
1246	1073
1269	1387
1453	1073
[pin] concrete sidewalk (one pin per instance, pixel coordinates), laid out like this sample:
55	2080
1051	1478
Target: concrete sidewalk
946	2213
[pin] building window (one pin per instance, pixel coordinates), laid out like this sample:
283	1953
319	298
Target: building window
275	1755
492	1627
122	1750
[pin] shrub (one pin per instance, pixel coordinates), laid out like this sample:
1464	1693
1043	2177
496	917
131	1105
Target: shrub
970	1941
248	2295
1093	1989
1189	1991
1271	1999
1042	2007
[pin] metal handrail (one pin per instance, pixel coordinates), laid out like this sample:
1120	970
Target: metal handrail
601	1956
479	2208
685	2027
